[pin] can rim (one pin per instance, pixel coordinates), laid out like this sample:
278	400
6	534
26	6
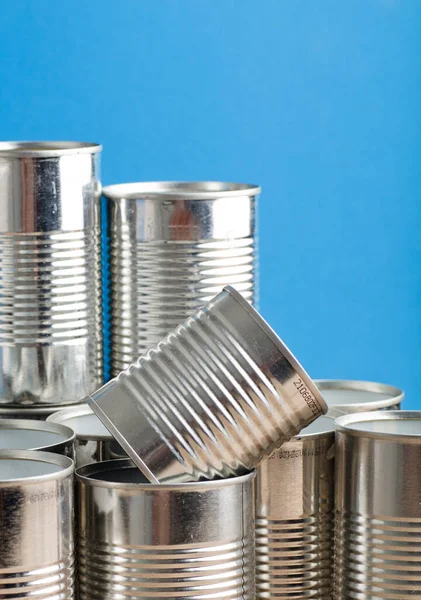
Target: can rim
344	424
46	149
66	464
179	190
32	425
396	394
32	409
78	411
314	434
322	406
85	473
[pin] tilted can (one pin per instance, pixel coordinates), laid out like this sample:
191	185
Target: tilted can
36	525
24	434
139	540
378	506
50	272
295	516
348	396
93	442
173	246
213	399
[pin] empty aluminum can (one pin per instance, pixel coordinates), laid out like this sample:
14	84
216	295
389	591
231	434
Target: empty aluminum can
39	413
378	506
347	396
173	246
50	272
93	443
212	399
24	434
36	526
295	516
185	541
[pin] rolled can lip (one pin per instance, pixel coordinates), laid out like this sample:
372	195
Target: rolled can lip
179	190
396	394
66	464
32	425
348	424
86	472
323	425
45	149
74	412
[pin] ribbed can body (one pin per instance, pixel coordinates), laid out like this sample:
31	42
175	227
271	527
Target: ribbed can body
214	398
294	519
93	442
170	253
50	275
36	528
138	540
378	513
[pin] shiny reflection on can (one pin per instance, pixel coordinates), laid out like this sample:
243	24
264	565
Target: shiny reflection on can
184	541
173	246
294	516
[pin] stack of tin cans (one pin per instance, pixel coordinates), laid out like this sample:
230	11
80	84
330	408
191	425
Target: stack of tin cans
205	468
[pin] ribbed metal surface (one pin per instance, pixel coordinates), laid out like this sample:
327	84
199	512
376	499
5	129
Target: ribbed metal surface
294	517
50	275
215	396
162	284
183	571
173	246
51	582
377	504
377	558
188	541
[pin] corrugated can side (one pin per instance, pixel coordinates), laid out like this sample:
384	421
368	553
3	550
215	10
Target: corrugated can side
294	517
378	506
213	399
173	246
50	272
36	526
138	540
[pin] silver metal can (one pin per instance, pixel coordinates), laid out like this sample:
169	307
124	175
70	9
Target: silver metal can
213	399
50	272
378	506
173	246
295	516
36	525
184	541
93	442
347	396
38	413
24	434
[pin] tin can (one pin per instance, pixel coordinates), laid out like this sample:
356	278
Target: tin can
213	399
36	525
50	272
93	442
24	434
378	506
347	396
173	246
295	516
139	540
38	413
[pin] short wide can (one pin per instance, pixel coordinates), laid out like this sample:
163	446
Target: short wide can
185	541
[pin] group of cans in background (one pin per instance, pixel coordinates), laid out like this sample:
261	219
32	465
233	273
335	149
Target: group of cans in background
169	504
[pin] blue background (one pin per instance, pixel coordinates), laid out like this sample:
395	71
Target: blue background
317	101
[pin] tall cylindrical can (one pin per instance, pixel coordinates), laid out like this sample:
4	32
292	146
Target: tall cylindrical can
173	246
348	396
25	434
212	399
139	540
93	443
36	526
378	506
50	272
294	516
